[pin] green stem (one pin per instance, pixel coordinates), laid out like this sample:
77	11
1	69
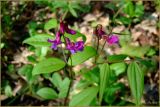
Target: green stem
64	15
71	76
97	49
116	14
63	54
70	72
70	85
127	61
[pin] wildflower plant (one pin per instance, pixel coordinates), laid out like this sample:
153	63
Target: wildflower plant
97	84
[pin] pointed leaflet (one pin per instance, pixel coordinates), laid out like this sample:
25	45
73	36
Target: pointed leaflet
134	51
72	11
114	58
118	68
85	97
83	56
38	40
56	80
48	65
104	79
64	86
136	81
47	93
52	23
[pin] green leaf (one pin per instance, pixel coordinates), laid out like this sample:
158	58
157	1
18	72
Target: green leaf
56	80
110	93
91	75
46	76
11	68
26	71
72	11
136	81
147	63
39	40
125	20
139	11
125	38
151	52
76	36
2	45
129	8
82	84
47	93
60	4
111	6
104	79
114	58
85	97
119	68
52	23
81	57
32	59
134	51
43	52
8	91
77	7
64	86
48	65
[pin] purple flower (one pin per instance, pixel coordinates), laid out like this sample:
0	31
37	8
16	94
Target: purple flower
74	47
55	42
64	28
70	31
112	39
71	46
99	31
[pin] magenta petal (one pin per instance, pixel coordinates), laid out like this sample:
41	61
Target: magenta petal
51	41
79	46
99	31
58	36
62	27
55	42
70	31
74	47
67	40
69	44
54	46
72	51
112	39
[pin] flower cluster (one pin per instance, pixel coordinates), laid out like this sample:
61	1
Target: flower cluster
111	38
71	46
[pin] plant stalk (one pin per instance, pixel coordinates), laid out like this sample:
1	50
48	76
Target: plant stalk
97	48
71	76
